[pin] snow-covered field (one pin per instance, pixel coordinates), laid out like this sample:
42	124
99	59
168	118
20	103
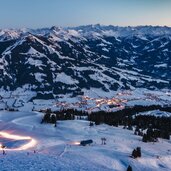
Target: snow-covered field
156	113
55	149
92	100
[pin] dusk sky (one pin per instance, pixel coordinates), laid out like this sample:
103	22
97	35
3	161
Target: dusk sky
46	13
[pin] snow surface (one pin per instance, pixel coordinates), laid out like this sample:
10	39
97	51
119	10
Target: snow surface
94	99
55	149
62	77
156	113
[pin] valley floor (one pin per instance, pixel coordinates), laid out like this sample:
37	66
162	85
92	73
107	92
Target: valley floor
55	149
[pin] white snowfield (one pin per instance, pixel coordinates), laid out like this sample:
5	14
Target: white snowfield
55	149
94	99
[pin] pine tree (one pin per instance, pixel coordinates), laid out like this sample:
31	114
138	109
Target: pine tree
144	139
53	119
134	153
138	151
129	168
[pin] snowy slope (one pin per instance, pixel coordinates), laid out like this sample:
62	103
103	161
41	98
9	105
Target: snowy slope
157	113
55	149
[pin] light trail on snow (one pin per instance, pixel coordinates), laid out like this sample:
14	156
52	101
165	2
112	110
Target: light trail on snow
32	142
75	143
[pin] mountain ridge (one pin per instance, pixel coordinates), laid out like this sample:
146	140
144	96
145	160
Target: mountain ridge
56	60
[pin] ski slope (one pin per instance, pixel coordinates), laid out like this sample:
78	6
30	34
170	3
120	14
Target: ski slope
55	149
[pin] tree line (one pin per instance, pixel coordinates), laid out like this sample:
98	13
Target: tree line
149	127
156	127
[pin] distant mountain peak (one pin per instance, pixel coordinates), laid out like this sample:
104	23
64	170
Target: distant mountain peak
73	60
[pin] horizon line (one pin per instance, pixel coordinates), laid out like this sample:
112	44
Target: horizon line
83	25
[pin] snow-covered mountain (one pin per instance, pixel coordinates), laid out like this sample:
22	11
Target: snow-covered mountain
89	68
55	61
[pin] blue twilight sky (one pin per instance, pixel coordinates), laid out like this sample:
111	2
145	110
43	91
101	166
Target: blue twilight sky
46	13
